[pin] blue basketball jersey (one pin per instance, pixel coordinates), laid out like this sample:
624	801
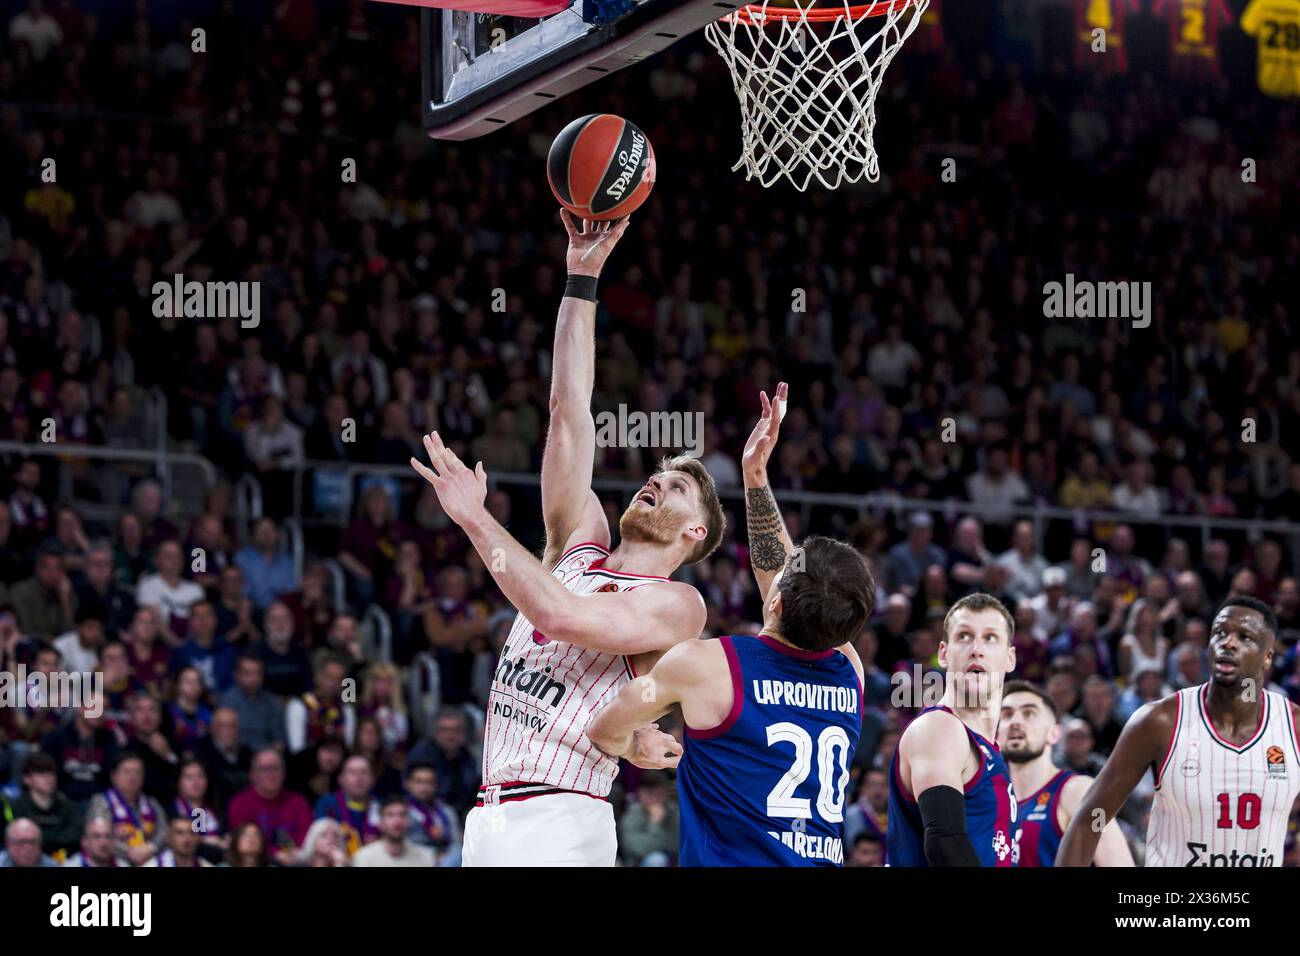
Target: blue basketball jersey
1040	834
990	811
766	786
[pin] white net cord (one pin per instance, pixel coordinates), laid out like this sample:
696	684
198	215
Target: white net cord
807	79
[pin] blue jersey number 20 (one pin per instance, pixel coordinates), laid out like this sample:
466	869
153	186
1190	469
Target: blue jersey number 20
832	753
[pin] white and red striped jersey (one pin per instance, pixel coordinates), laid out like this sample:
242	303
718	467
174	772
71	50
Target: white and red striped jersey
1220	804
545	692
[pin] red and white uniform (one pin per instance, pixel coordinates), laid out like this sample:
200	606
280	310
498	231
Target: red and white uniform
540	772
1220	804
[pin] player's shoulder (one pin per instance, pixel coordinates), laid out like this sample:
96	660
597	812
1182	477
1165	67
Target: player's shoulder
934	728
1156	721
700	659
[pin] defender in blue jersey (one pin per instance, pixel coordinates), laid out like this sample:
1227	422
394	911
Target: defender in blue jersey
1047	796
772	720
950	797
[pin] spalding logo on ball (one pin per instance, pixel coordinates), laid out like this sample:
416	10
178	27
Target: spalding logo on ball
601	167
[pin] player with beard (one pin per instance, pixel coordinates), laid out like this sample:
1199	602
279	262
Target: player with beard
951	802
590	618
1225	755
1050	795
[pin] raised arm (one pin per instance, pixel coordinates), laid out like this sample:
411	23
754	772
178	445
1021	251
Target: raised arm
570	508
769	543
617	622
1143	743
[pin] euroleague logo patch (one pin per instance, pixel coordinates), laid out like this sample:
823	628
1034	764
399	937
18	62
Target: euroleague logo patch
1276	758
611	586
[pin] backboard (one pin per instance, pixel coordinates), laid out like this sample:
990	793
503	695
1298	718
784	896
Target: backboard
483	71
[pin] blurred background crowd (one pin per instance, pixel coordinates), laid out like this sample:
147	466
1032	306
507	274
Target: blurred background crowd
316	682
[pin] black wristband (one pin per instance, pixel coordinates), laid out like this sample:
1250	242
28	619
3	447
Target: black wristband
581	287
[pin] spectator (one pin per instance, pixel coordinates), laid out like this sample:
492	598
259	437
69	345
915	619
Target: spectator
212	656
432	823
98	587
45	603
1024	563
23	840
168	592
282	815
323	845
182	845
59	818
136	818
648	830
353	805
908	559
287	665
393	848
236	622
321	712
82	750
259	713
247	847
98	846
226	760
267	568
147	739
146	505
447	752
79	649
369	545
1142	647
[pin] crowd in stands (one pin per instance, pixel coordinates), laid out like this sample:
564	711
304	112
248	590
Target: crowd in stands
246	719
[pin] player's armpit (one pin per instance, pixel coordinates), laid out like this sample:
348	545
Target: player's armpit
591	527
1142	743
627	622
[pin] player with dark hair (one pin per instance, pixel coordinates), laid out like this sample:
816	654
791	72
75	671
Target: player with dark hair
771	720
590	618
1047	794
1225	755
951	802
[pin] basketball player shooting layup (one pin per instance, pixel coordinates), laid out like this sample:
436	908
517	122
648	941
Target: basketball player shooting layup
951	802
1048	796
1225	756
589	619
773	720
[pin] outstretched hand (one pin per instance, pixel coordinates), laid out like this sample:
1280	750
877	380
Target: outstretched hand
758	448
461	492
591	242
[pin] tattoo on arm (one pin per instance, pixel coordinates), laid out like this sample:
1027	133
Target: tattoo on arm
766	530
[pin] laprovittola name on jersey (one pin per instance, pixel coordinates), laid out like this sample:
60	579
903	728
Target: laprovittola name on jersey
545	691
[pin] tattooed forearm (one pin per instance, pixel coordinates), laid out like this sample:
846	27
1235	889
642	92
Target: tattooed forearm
767	537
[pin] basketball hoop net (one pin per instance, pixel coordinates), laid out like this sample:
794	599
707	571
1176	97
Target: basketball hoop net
807	79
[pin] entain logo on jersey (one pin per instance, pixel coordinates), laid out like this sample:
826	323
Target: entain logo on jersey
1201	857
525	684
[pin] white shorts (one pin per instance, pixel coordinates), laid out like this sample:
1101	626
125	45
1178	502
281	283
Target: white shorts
557	829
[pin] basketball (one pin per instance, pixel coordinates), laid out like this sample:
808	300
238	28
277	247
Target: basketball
601	167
